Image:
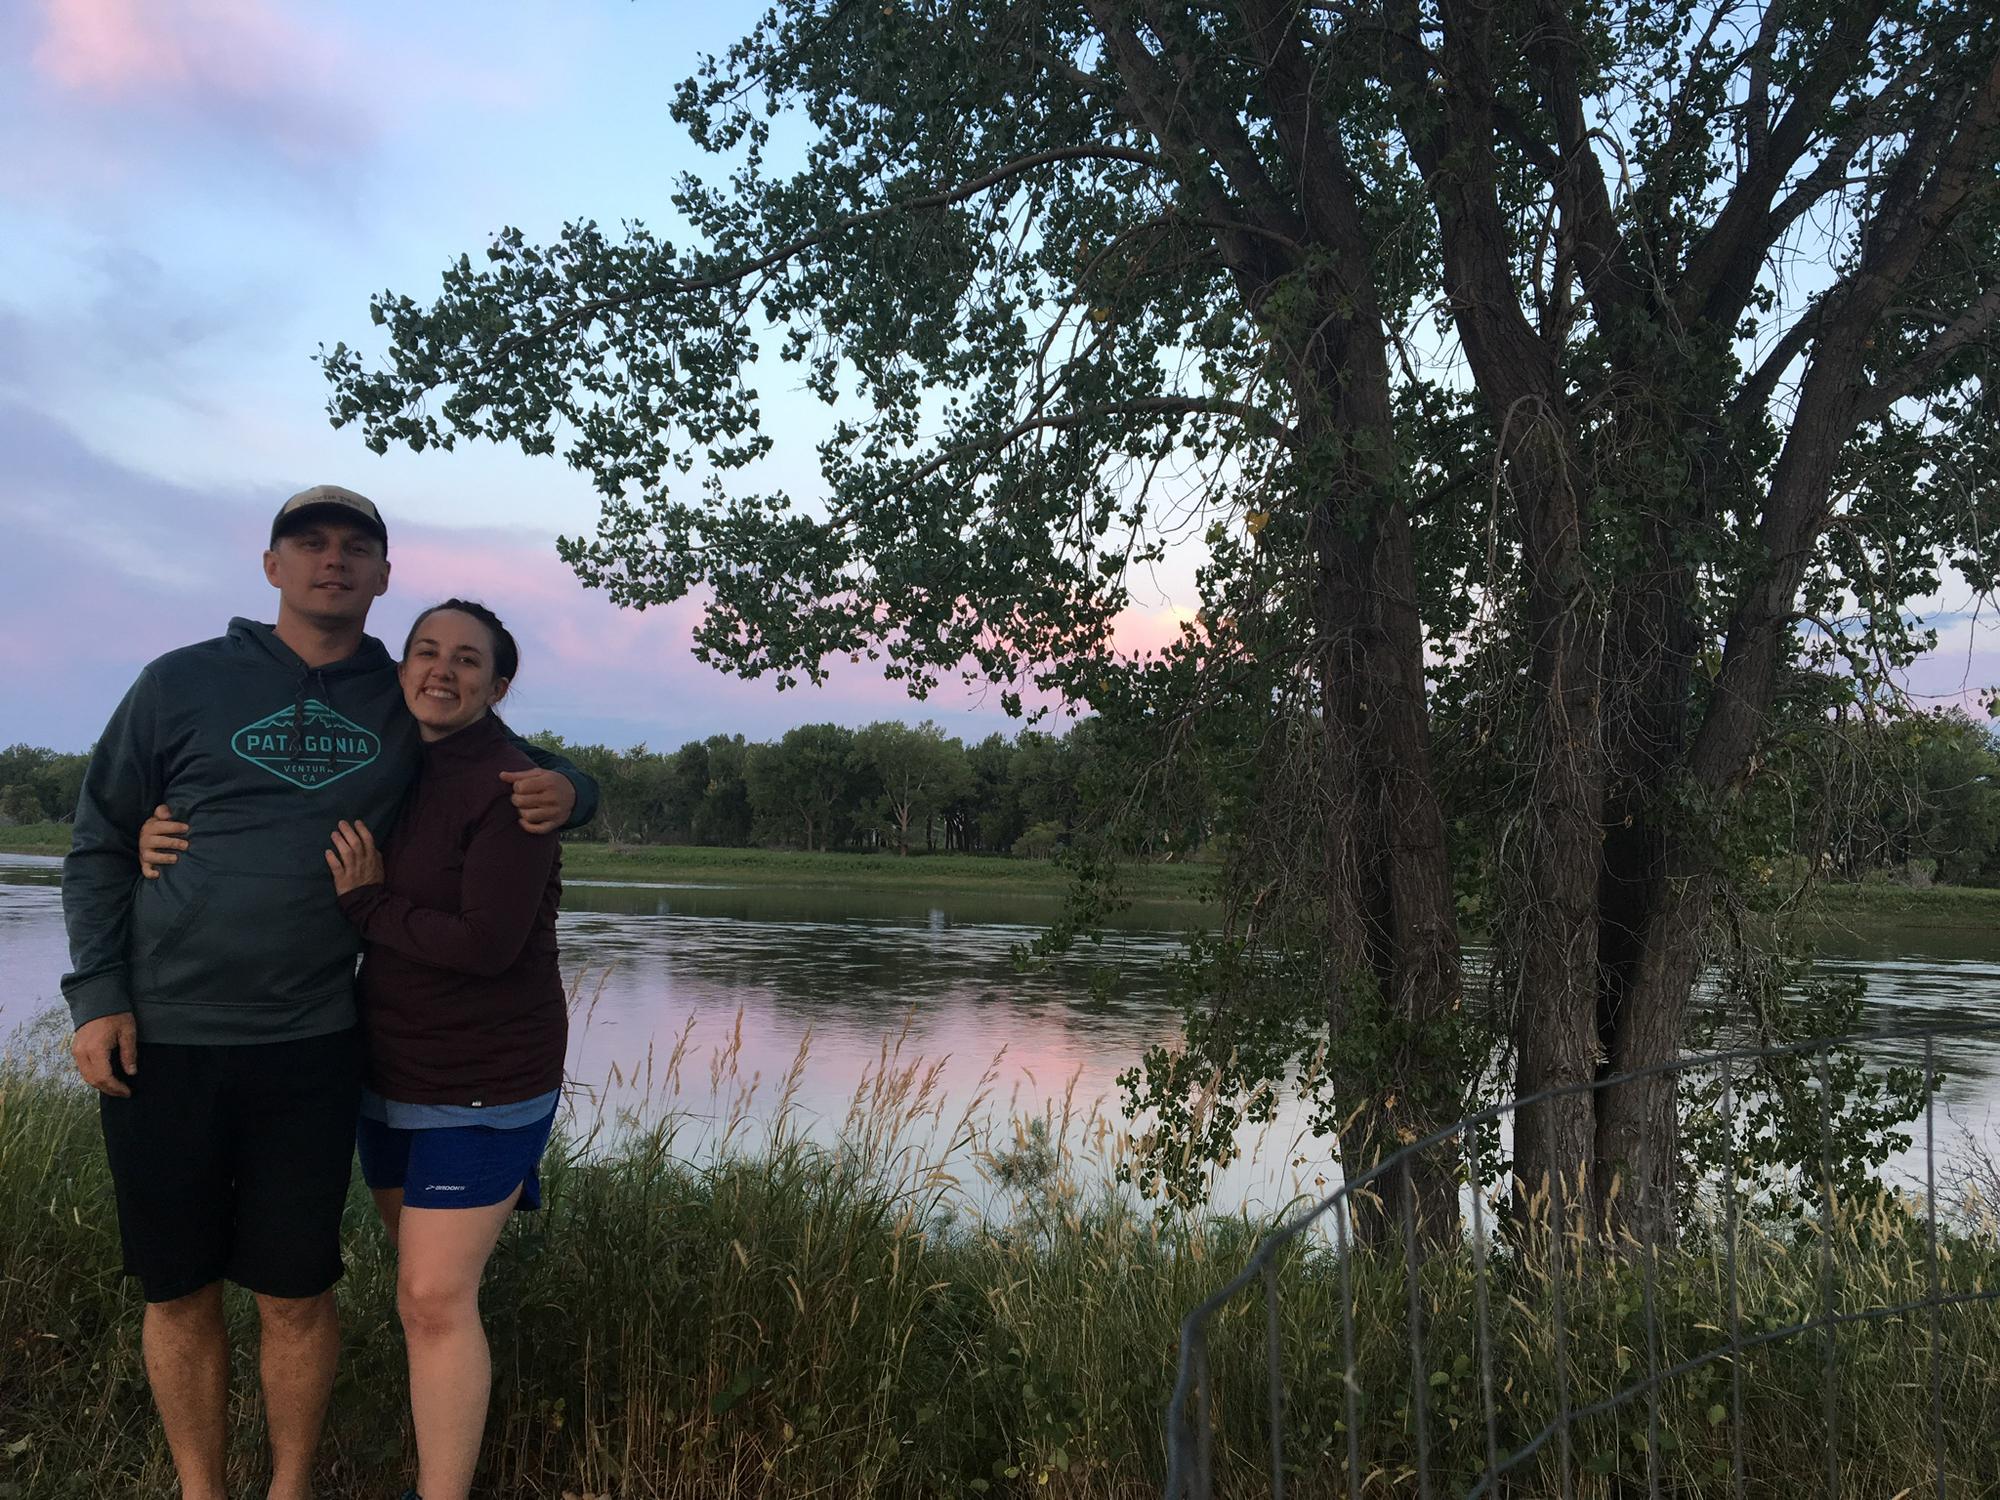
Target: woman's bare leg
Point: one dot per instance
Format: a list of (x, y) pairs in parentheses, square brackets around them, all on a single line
[(442, 1253)]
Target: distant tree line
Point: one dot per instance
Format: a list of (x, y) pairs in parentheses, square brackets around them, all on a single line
[(39, 786), (1917, 796), (887, 785)]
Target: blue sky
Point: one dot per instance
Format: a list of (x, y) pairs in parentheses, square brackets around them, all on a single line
[(194, 194)]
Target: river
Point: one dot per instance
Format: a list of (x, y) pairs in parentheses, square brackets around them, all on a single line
[(734, 1007)]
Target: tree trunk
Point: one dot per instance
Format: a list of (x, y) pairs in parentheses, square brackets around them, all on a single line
[(1641, 966), (1425, 986), (1638, 1125), (1555, 933), (1552, 921), (1390, 910)]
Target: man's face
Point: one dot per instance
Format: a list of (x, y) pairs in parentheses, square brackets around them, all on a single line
[(328, 572)]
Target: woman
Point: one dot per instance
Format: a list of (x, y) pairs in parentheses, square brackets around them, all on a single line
[(464, 1018)]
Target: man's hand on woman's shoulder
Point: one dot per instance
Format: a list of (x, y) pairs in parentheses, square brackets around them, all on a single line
[(542, 799)]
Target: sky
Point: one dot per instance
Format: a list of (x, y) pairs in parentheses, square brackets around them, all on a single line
[(195, 194)]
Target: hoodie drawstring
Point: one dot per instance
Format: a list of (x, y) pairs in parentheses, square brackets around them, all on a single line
[(312, 675)]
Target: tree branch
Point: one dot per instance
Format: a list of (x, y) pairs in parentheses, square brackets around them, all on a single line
[(1757, 388), (1722, 267), (1219, 129), (1975, 321), (1757, 112), (1831, 172), (1328, 193), (586, 312), (1250, 416), (1156, 96), (1250, 257), (1679, 113), (1602, 255)]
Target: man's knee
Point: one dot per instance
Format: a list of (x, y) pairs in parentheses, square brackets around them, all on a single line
[(295, 1317), (199, 1309)]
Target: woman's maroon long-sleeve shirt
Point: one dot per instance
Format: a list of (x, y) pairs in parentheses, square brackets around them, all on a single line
[(461, 1001)]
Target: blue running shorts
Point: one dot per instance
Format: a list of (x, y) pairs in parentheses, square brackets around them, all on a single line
[(461, 1166)]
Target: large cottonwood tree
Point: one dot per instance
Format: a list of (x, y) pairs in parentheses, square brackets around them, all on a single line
[(1590, 346)]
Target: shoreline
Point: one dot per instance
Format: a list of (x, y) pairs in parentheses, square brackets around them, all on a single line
[(1868, 908), (1178, 884)]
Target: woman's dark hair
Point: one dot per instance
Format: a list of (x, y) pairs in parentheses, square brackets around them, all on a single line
[(506, 655)]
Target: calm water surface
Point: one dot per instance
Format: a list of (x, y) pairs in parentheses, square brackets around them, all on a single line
[(732, 1005)]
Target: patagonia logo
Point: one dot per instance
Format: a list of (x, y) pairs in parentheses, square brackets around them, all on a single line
[(309, 752)]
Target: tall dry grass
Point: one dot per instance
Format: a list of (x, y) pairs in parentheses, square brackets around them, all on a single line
[(926, 1297)]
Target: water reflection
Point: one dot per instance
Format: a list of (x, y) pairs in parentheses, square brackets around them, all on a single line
[(740, 979)]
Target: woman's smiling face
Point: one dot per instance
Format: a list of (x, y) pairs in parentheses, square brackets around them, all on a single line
[(448, 673)]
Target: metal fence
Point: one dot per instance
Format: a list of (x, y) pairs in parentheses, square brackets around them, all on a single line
[(1492, 1360)]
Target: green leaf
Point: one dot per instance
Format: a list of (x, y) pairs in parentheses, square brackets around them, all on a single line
[(729, 1396)]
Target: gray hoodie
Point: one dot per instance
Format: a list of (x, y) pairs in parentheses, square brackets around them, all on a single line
[(242, 940)]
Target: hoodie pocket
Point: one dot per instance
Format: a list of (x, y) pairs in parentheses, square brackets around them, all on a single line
[(254, 940), (167, 909)]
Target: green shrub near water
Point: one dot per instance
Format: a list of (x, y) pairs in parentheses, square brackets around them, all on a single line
[(787, 1318)]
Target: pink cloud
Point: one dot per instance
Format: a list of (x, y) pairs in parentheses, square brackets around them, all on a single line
[(107, 567), (101, 44), (1139, 629), (114, 48), (594, 671), (250, 62), (227, 104)]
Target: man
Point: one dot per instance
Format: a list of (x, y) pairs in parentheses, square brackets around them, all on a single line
[(214, 1007)]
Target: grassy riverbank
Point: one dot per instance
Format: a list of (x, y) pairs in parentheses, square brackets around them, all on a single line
[(884, 871), (799, 1320), (35, 838), (678, 863), (1870, 908), (1881, 906)]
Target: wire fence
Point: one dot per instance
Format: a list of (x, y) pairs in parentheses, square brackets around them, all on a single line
[(1777, 1332)]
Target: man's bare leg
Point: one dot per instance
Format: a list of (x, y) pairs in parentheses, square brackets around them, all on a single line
[(187, 1364), (389, 1205), (300, 1347)]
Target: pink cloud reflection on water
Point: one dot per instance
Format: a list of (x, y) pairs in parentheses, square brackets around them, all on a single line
[(846, 1019)]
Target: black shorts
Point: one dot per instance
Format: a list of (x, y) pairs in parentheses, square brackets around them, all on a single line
[(232, 1162)]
